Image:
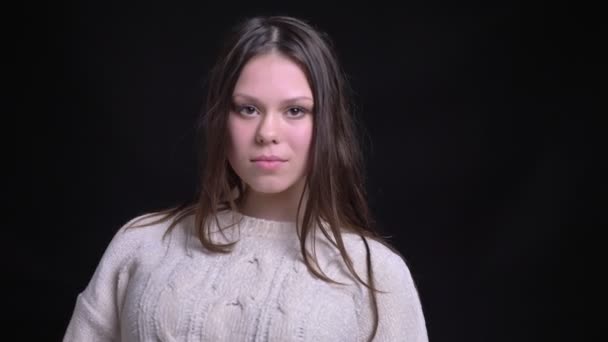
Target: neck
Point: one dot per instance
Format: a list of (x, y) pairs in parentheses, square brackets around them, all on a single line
[(281, 206)]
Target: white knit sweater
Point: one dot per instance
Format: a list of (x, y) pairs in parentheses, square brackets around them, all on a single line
[(149, 289)]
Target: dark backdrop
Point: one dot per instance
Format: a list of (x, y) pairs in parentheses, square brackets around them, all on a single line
[(479, 153)]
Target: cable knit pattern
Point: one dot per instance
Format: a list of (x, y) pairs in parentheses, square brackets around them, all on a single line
[(147, 288)]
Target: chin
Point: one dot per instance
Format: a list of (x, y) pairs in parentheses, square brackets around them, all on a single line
[(268, 188)]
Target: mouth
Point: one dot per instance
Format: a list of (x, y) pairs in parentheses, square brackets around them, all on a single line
[(268, 158), (266, 164)]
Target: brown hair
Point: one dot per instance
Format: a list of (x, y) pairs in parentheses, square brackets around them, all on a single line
[(336, 193)]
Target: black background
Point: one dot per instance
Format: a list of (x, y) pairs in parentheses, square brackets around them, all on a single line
[(481, 146)]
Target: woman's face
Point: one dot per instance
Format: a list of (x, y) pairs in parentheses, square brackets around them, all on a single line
[(270, 125)]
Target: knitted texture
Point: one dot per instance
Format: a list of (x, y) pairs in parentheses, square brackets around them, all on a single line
[(147, 288)]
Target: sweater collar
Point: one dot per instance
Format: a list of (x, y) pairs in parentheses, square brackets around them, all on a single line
[(255, 226)]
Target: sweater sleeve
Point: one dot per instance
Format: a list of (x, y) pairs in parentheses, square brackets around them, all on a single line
[(96, 312), (400, 310), (402, 317)]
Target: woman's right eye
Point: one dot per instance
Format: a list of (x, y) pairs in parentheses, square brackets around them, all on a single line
[(246, 110)]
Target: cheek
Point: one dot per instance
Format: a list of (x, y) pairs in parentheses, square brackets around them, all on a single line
[(302, 138), (236, 136), (307, 136)]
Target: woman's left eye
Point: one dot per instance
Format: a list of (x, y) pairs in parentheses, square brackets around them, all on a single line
[(296, 111)]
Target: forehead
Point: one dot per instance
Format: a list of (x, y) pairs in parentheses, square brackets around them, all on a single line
[(272, 77)]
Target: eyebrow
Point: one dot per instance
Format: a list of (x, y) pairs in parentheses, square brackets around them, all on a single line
[(290, 100)]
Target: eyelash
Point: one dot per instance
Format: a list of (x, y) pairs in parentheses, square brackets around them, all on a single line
[(301, 110)]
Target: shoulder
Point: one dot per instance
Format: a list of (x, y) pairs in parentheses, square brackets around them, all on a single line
[(144, 227), (140, 229), (143, 232), (142, 239), (389, 267), (381, 253), (400, 311)]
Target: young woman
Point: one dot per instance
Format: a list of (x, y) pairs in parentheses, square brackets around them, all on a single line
[(279, 245)]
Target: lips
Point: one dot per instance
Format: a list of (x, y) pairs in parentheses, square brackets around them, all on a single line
[(268, 159), (268, 163)]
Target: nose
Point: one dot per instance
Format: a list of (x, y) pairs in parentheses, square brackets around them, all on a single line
[(267, 130)]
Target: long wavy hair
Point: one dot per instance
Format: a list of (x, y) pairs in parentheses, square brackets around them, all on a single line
[(336, 198)]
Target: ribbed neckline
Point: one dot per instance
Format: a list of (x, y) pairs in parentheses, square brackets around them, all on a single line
[(259, 227)]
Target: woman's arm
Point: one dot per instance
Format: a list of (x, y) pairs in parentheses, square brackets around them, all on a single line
[(96, 313)]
